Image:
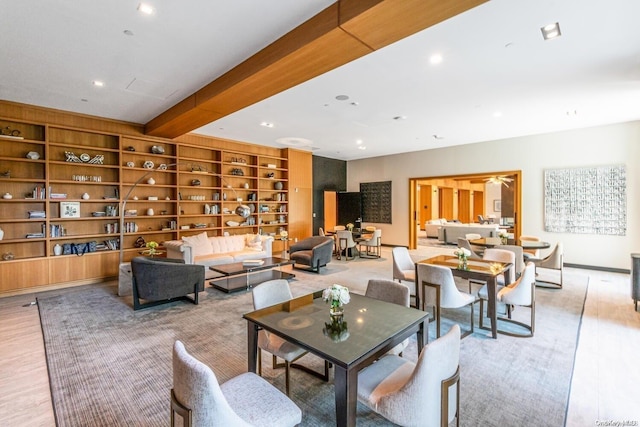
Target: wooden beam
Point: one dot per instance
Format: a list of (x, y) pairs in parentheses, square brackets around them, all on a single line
[(346, 30)]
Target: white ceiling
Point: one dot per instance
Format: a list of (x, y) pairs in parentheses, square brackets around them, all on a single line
[(494, 60)]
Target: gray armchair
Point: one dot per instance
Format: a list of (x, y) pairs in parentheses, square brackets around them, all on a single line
[(314, 252), (162, 280)]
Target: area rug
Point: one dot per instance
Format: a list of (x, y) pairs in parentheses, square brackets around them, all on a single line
[(109, 365)]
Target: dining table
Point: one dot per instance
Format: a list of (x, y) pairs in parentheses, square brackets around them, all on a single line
[(476, 269), (367, 329), (492, 242)]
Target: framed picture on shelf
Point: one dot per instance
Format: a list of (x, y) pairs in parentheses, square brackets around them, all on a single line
[(69, 209), (497, 205)]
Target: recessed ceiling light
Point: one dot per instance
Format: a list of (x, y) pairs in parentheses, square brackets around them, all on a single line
[(358, 141), (435, 59), (436, 136), (497, 114), (342, 97), (128, 32), (400, 118), (146, 8), (362, 147), (572, 113), (355, 104), (551, 31), (266, 124), (84, 100), (98, 83)]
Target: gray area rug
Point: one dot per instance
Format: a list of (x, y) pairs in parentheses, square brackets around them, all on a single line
[(109, 365)]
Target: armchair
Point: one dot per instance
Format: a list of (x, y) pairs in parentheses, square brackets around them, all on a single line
[(313, 251), (162, 280)]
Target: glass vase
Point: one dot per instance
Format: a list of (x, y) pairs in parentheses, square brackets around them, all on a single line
[(336, 310), (462, 264)]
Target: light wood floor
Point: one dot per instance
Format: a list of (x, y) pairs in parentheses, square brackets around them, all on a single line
[(604, 386)]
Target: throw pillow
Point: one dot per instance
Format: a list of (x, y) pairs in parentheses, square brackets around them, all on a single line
[(254, 242), (200, 244)]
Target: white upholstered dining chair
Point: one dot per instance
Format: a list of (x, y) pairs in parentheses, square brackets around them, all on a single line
[(553, 261), (243, 401), (395, 293), (426, 393), (437, 288), (404, 269), (521, 293)]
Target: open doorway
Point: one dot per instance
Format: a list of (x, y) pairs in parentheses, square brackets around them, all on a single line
[(492, 197)]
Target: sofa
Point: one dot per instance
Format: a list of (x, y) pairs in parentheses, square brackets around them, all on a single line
[(433, 225), (162, 280), (314, 252), (215, 250), (450, 232)]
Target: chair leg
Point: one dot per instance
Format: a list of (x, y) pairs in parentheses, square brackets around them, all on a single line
[(259, 360), (444, 399), (481, 315), (182, 410), (286, 377)]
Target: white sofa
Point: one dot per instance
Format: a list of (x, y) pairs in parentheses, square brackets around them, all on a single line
[(450, 232), (433, 225), (216, 250)]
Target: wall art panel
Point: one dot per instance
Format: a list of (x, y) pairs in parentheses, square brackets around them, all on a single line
[(589, 200)]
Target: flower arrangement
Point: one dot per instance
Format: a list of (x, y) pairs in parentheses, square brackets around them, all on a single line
[(337, 296), (152, 249), (350, 227), (284, 235), (504, 237), (463, 255)]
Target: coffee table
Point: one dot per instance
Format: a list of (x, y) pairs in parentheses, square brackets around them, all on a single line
[(237, 276)]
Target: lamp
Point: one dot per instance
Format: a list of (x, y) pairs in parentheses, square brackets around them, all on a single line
[(241, 210)]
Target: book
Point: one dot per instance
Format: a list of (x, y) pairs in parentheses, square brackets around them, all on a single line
[(252, 262)]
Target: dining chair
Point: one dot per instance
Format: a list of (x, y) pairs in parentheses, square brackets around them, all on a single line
[(346, 243), (437, 288), (321, 231), (404, 269), (553, 261), (243, 401), (425, 393), (372, 245), (270, 293), (495, 255), (395, 293), (464, 243), (521, 293), (535, 253), (519, 261)]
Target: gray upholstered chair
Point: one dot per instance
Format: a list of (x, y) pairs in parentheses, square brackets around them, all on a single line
[(314, 252), (522, 293), (243, 401), (553, 261), (395, 293), (464, 243), (162, 280), (404, 269), (371, 244), (426, 393), (270, 293), (437, 288)]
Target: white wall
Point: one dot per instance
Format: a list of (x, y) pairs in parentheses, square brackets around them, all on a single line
[(598, 146)]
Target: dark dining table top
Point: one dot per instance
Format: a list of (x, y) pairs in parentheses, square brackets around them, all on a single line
[(490, 242)]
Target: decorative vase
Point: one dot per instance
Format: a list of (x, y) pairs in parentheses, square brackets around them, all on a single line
[(278, 185), (462, 264), (1, 233), (150, 212), (336, 310), (7, 196), (246, 185), (151, 181), (85, 196), (57, 249), (504, 240)]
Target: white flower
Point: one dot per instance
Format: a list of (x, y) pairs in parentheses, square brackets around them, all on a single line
[(336, 294), (462, 253)]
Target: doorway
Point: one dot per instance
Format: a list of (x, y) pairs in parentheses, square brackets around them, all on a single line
[(463, 198)]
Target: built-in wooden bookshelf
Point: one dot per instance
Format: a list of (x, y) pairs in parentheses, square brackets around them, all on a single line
[(166, 188)]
